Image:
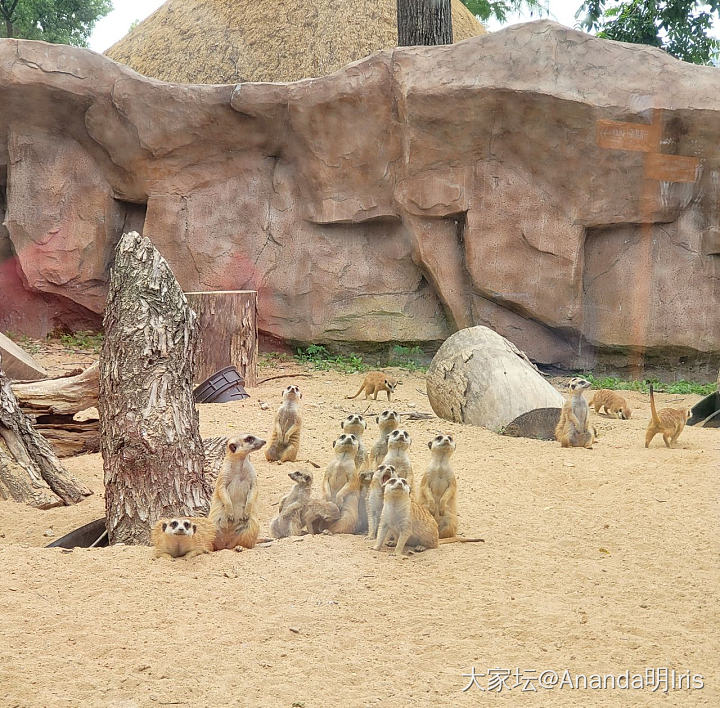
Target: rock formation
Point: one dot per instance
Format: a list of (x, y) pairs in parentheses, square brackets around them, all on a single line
[(561, 189)]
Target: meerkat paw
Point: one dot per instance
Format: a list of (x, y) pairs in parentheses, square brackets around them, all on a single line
[(420, 549), (238, 549), (327, 532)]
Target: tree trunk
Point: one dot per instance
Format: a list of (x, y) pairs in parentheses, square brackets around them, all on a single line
[(424, 22), (30, 472), (150, 438), (227, 321)]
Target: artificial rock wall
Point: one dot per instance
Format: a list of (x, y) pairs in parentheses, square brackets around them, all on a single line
[(561, 189)]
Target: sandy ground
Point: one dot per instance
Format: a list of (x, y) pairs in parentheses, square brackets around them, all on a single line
[(596, 561)]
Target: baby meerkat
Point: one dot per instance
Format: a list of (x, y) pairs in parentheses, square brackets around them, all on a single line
[(342, 469), (388, 420), (613, 403), (357, 425), (182, 537), (399, 442), (319, 514), (288, 521), (573, 429), (668, 421), (373, 383), (438, 486), (410, 523), (374, 502), (285, 439), (233, 505)]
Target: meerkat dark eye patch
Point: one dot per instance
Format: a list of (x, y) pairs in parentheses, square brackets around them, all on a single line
[(173, 524)]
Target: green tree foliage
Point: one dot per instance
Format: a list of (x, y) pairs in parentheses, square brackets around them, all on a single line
[(59, 21), (680, 27), (500, 9)]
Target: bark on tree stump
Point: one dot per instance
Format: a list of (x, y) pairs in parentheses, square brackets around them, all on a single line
[(30, 472), (424, 22), (227, 322), (150, 438)]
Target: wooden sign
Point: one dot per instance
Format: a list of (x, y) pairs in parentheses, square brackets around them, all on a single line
[(614, 135), (671, 168)]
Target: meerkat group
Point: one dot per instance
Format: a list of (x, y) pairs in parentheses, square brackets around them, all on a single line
[(574, 429)]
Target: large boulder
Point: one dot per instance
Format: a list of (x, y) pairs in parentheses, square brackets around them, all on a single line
[(535, 180), (481, 378)]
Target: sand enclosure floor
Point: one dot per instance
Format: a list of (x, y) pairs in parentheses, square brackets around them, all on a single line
[(596, 561)]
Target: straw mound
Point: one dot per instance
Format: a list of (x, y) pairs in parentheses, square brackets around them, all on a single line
[(226, 41)]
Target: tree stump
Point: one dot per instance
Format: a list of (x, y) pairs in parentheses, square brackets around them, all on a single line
[(149, 431), (227, 321), (424, 22), (30, 472)]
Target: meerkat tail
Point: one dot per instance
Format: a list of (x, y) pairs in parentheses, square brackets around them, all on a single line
[(358, 393), (461, 539), (653, 410)]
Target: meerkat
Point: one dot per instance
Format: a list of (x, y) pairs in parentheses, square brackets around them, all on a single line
[(409, 522), (233, 505), (613, 403), (285, 439), (373, 383), (348, 501), (388, 420), (288, 521), (365, 482), (572, 429), (438, 486), (668, 421), (399, 442), (182, 537), (319, 514), (374, 501), (357, 425), (342, 469)]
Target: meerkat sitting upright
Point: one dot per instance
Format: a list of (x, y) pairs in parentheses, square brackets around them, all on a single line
[(373, 383), (183, 536), (573, 428), (374, 501), (233, 505), (409, 522), (289, 519), (342, 468), (668, 421), (356, 425), (388, 420), (613, 403), (348, 501), (399, 442), (438, 486), (285, 439)]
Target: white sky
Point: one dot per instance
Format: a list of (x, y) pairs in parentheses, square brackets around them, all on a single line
[(116, 25)]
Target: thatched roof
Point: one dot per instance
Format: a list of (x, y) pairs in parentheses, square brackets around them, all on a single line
[(228, 41)]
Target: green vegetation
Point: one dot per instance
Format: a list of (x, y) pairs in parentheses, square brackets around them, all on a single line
[(29, 345), (319, 358), (500, 9), (681, 387), (58, 21), (91, 341)]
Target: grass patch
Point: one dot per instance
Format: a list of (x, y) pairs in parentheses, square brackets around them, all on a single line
[(319, 358), (267, 360), (85, 340), (29, 345), (681, 387)]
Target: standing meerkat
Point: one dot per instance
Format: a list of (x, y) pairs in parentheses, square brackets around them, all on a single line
[(438, 486), (613, 403), (342, 468), (233, 505), (285, 439), (410, 523), (573, 428), (357, 425), (373, 383), (289, 521), (374, 503), (399, 442), (182, 536), (668, 421), (319, 514), (365, 482), (388, 420)]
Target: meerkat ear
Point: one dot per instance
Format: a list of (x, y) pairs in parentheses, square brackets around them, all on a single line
[(194, 528), (164, 525), (232, 447), (334, 441), (430, 444), (377, 419)]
